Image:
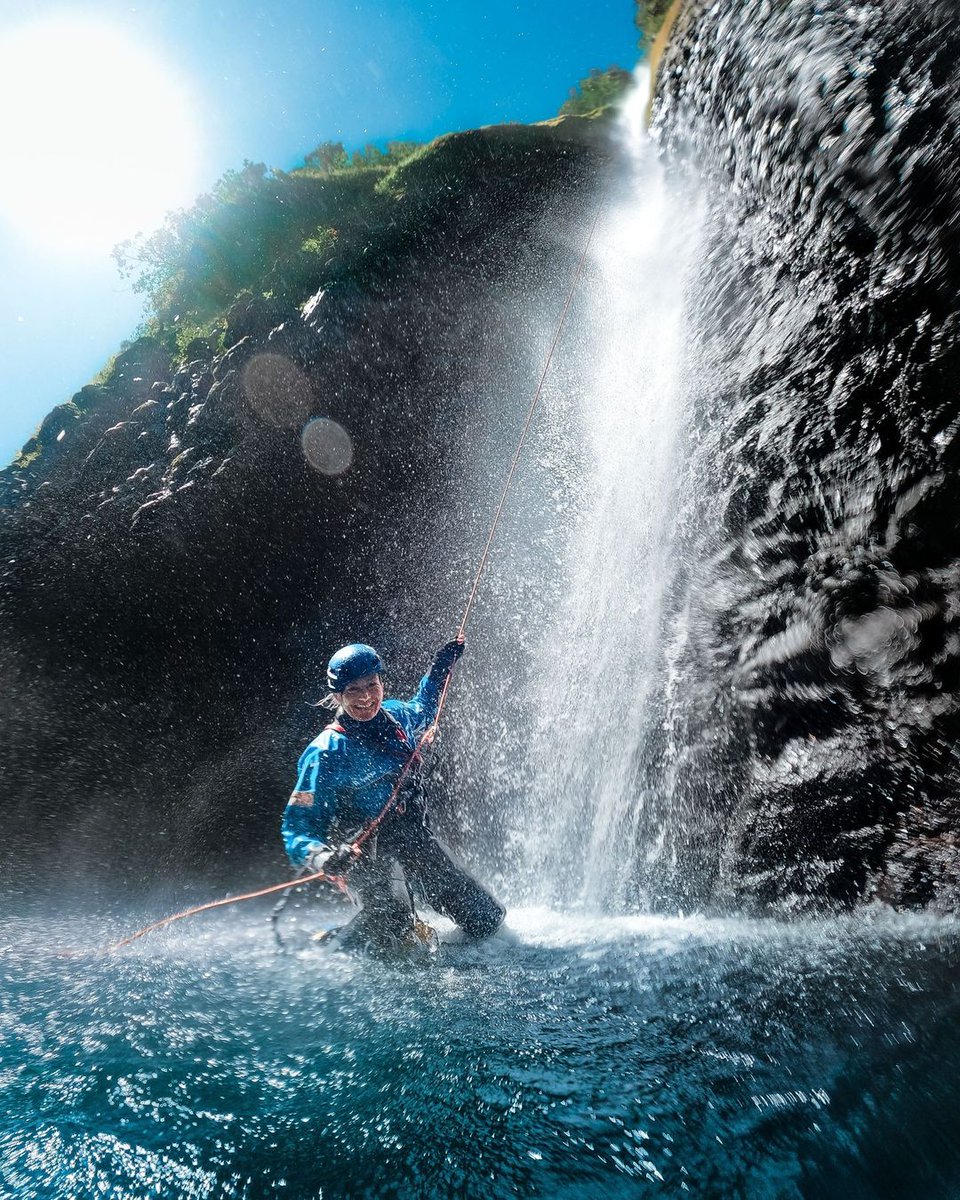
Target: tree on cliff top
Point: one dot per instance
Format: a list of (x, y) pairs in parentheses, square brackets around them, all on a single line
[(597, 91), (327, 157), (278, 235), (330, 157), (649, 18), (257, 229)]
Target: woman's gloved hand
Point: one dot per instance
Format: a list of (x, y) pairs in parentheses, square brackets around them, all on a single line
[(447, 655), (331, 860)]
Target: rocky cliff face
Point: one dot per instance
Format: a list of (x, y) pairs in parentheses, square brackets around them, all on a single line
[(184, 544), (821, 738)]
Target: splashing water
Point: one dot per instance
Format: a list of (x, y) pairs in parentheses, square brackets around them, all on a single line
[(586, 1056), (597, 699)]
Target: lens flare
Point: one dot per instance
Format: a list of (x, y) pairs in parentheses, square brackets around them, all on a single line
[(277, 390), (327, 446)]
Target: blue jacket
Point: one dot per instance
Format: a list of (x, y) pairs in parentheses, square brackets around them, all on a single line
[(341, 775)]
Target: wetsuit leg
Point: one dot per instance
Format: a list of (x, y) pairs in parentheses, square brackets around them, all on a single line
[(386, 915), (447, 886)]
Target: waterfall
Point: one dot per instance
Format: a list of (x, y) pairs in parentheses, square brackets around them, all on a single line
[(595, 747)]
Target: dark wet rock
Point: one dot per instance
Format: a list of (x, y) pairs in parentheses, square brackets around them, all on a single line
[(827, 650), (199, 348), (254, 316), (234, 358)]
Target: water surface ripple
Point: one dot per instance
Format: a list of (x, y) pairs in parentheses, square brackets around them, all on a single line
[(577, 1057)]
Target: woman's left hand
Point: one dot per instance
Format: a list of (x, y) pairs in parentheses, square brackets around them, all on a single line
[(450, 653)]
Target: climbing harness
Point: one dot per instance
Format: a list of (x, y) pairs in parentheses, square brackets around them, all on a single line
[(430, 732)]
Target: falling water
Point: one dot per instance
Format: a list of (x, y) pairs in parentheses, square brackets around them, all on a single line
[(598, 697)]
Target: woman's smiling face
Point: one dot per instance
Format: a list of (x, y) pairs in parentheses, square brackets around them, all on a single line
[(362, 698)]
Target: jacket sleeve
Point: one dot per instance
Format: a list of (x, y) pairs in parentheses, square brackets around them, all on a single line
[(421, 710), (311, 806)]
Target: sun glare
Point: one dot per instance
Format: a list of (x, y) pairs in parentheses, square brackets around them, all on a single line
[(98, 140)]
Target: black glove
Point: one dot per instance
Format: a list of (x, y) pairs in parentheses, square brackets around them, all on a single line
[(331, 862), (446, 656)]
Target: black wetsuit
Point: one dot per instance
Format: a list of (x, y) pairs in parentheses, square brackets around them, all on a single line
[(405, 859)]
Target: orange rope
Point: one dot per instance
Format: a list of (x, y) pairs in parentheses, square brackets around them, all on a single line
[(430, 732), (337, 880)]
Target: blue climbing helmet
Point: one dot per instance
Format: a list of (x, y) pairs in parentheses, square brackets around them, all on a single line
[(350, 663)]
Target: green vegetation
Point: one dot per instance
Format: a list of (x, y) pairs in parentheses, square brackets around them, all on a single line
[(263, 240), (104, 376), (28, 455), (649, 18), (595, 93), (269, 232), (330, 157), (327, 158)]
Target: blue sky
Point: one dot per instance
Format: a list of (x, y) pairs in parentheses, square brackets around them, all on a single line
[(260, 81)]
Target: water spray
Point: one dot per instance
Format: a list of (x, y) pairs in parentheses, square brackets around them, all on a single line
[(429, 734)]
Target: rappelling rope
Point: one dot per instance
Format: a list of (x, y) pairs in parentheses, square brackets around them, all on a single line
[(526, 427), (336, 880), (430, 732)]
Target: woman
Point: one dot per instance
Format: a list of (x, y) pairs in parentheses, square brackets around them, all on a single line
[(346, 777)]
